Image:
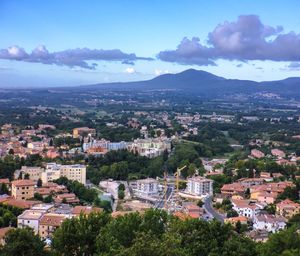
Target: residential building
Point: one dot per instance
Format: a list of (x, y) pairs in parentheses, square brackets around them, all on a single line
[(50, 174), (246, 208), (85, 210), (257, 153), (49, 223), (72, 172), (192, 210), (33, 173), (234, 220), (269, 222), (151, 147), (287, 208), (232, 189), (31, 219), (146, 187), (267, 198), (278, 153), (68, 198), (22, 189), (272, 187), (199, 186), (249, 182)]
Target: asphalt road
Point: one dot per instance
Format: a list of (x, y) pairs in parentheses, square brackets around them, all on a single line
[(211, 211), (160, 204)]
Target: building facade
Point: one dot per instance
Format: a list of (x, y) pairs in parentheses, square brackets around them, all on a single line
[(199, 186), (22, 189)]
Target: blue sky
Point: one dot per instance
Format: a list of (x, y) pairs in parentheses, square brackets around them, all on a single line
[(149, 37)]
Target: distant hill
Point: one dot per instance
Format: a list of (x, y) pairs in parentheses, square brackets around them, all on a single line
[(205, 83)]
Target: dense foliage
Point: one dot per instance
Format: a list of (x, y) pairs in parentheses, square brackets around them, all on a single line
[(155, 233)]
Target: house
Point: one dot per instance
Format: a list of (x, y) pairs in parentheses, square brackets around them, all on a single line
[(49, 223), (68, 198), (192, 210), (249, 182), (233, 189), (273, 187), (266, 176), (22, 204), (269, 222), (246, 208), (234, 220), (278, 153), (287, 208), (266, 197), (257, 153), (199, 186), (22, 189), (258, 235), (31, 219)]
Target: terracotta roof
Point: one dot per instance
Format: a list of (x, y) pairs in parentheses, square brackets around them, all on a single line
[(50, 219), (77, 210), (23, 204), (269, 218), (233, 187), (19, 183), (287, 203), (236, 219)]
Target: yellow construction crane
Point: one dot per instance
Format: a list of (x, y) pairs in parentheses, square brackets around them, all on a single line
[(177, 175)]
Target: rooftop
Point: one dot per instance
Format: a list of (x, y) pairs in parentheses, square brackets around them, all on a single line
[(19, 183)]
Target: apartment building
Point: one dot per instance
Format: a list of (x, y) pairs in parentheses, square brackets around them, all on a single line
[(146, 187), (22, 189), (49, 223), (33, 173), (199, 186), (72, 172)]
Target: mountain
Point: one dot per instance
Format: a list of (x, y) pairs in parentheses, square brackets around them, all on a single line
[(204, 83)]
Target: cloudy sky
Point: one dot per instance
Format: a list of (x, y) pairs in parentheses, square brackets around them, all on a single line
[(61, 43)]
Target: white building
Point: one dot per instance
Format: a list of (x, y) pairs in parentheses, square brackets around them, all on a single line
[(31, 219), (269, 223), (246, 208), (150, 147), (50, 175), (146, 187), (199, 186), (72, 172)]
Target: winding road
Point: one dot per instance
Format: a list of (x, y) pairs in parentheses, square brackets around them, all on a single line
[(211, 211)]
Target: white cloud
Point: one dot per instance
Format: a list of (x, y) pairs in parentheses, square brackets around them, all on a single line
[(130, 70)]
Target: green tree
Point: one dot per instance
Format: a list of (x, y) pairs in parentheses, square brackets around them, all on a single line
[(77, 236), (21, 242)]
